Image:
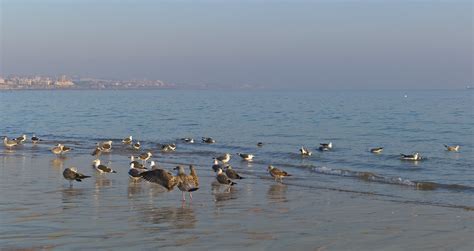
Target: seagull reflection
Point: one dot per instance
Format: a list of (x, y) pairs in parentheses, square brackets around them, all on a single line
[(134, 188), (70, 197), (58, 162), (219, 195), (277, 193), (170, 217), (102, 182)]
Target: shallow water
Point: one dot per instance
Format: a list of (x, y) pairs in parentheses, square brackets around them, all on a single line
[(107, 211)]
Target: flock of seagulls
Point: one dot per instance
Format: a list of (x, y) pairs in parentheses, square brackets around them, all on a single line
[(186, 183)]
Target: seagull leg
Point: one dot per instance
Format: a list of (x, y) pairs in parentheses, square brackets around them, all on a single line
[(184, 196), (191, 196), (70, 183)]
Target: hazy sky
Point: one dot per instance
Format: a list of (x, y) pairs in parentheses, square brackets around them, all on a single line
[(322, 44)]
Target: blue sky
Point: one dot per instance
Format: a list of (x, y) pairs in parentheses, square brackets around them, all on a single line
[(320, 44)]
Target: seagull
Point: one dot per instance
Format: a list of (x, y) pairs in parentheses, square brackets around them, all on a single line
[(452, 148), (208, 140), (224, 158), (413, 157), (188, 140), (153, 166), (106, 146), (305, 151), (102, 168), (58, 149), (127, 140), (247, 157), (193, 173), (65, 149), (161, 177), (186, 183), (21, 139), (144, 157), (97, 151), (71, 174), (168, 148), (277, 173), (232, 174), (325, 146), (136, 164), (134, 173), (136, 146), (216, 165), (260, 144), (35, 139), (223, 179), (9, 143), (376, 150)]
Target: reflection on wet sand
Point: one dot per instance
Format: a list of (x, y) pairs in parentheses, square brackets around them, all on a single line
[(170, 217), (222, 192), (58, 162), (277, 193), (70, 195), (101, 182)]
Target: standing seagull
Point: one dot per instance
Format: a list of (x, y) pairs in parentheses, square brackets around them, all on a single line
[(305, 151), (247, 157), (136, 164), (186, 183), (452, 148), (277, 173), (102, 168), (376, 150), (35, 139), (71, 174), (106, 146), (144, 157), (97, 151), (223, 179), (9, 143), (224, 158), (193, 173), (134, 173), (325, 146), (161, 177), (127, 140), (232, 174), (216, 165)]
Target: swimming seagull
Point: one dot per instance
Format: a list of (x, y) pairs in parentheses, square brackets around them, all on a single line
[(208, 140), (106, 146), (413, 157), (59, 149), (260, 144), (21, 139), (247, 157), (35, 139), (161, 177), (127, 140), (168, 148), (305, 151), (136, 164), (224, 158), (144, 157), (376, 150), (134, 173), (223, 179), (452, 148), (102, 168), (277, 173), (136, 146), (71, 174), (325, 146), (232, 174), (9, 143), (188, 140), (186, 183)]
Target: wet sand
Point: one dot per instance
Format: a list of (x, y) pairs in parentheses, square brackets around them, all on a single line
[(39, 210)]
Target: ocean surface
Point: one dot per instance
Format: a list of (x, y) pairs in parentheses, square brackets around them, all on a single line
[(354, 121)]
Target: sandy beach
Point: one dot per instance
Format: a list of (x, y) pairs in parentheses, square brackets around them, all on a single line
[(110, 212)]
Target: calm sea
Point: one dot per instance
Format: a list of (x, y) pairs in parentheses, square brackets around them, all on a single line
[(354, 121)]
